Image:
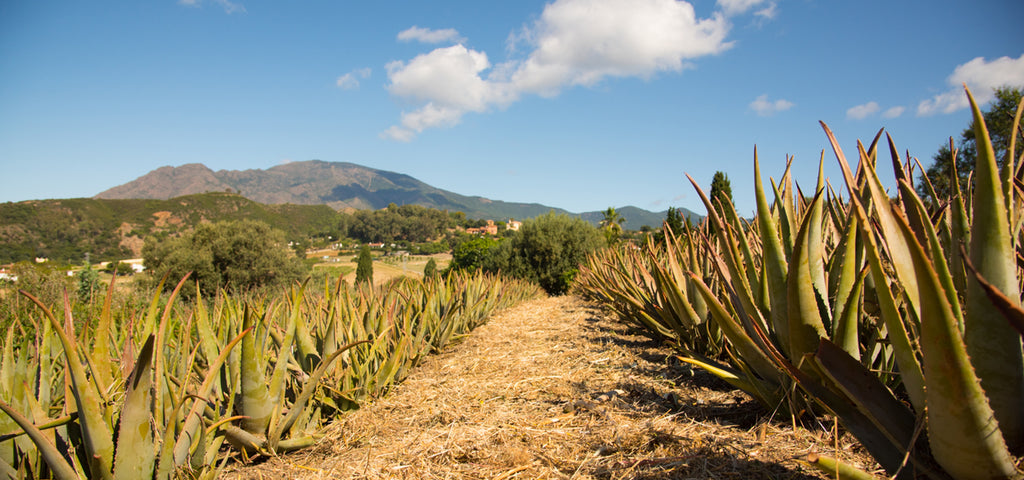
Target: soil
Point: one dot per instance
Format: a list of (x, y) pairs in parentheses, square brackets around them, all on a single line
[(555, 388)]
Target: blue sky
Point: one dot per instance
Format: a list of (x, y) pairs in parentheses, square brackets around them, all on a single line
[(577, 104)]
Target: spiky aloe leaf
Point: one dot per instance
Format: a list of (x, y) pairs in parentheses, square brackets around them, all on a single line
[(837, 469), (135, 456), (846, 331), (193, 420), (1010, 308), (255, 402), (995, 350), (745, 347), (309, 386), (904, 350), (60, 467), (962, 427), (897, 246), (96, 435), (774, 261), (805, 300)]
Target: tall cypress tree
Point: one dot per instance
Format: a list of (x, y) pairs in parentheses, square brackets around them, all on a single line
[(721, 189), (364, 266)]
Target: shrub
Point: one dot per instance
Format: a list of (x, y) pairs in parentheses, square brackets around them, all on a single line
[(235, 255), (548, 250)]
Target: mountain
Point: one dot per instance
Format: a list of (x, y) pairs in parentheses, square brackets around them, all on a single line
[(341, 186)]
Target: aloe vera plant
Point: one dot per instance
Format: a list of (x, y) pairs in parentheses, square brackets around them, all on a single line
[(165, 388), (833, 294)]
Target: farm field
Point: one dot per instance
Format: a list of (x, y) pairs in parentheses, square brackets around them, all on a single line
[(384, 268), (554, 388)]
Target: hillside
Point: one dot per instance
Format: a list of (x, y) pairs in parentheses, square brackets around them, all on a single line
[(65, 230), (341, 186)]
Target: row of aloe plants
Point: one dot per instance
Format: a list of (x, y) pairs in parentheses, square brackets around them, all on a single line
[(896, 316), (173, 387)]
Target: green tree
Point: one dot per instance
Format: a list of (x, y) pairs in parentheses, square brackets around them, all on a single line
[(998, 119), (235, 255), (673, 220), (120, 267), (364, 266), (611, 225), (473, 253), (549, 249), (430, 270), (88, 283), (721, 189)]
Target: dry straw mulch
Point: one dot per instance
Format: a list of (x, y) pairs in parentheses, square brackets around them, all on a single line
[(556, 389)]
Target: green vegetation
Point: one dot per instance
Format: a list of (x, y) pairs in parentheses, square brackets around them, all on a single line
[(364, 266), (721, 189), (546, 250), (430, 270), (88, 283), (900, 317), (937, 184), (611, 225), (236, 256), (237, 376), (474, 253)]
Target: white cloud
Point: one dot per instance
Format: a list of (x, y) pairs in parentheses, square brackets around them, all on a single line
[(765, 108), (227, 5), (893, 112), (860, 112), (981, 77), (350, 80), (574, 42), (737, 7), (580, 42), (427, 35)]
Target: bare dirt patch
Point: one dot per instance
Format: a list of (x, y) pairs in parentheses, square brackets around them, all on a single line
[(555, 389)]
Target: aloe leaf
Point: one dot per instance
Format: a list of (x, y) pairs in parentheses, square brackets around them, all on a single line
[(256, 403), (995, 350), (101, 343), (308, 354), (897, 246), (870, 396), (190, 427), (1010, 309), (748, 384), (846, 333), (837, 469), (308, 387), (96, 435), (774, 261), (135, 454), (962, 428), (815, 243), (805, 302), (745, 347), (59, 467), (729, 253)]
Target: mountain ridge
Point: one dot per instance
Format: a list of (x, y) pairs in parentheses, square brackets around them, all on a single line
[(341, 186)]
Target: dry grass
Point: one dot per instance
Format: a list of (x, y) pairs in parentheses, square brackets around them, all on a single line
[(554, 389)]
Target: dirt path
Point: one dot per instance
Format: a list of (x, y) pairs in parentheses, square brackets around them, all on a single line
[(554, 389)]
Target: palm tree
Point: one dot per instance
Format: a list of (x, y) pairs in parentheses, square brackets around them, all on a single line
[(612, 219), (610, 225)]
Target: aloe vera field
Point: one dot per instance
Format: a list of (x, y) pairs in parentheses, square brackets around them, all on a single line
[(844, 331)]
